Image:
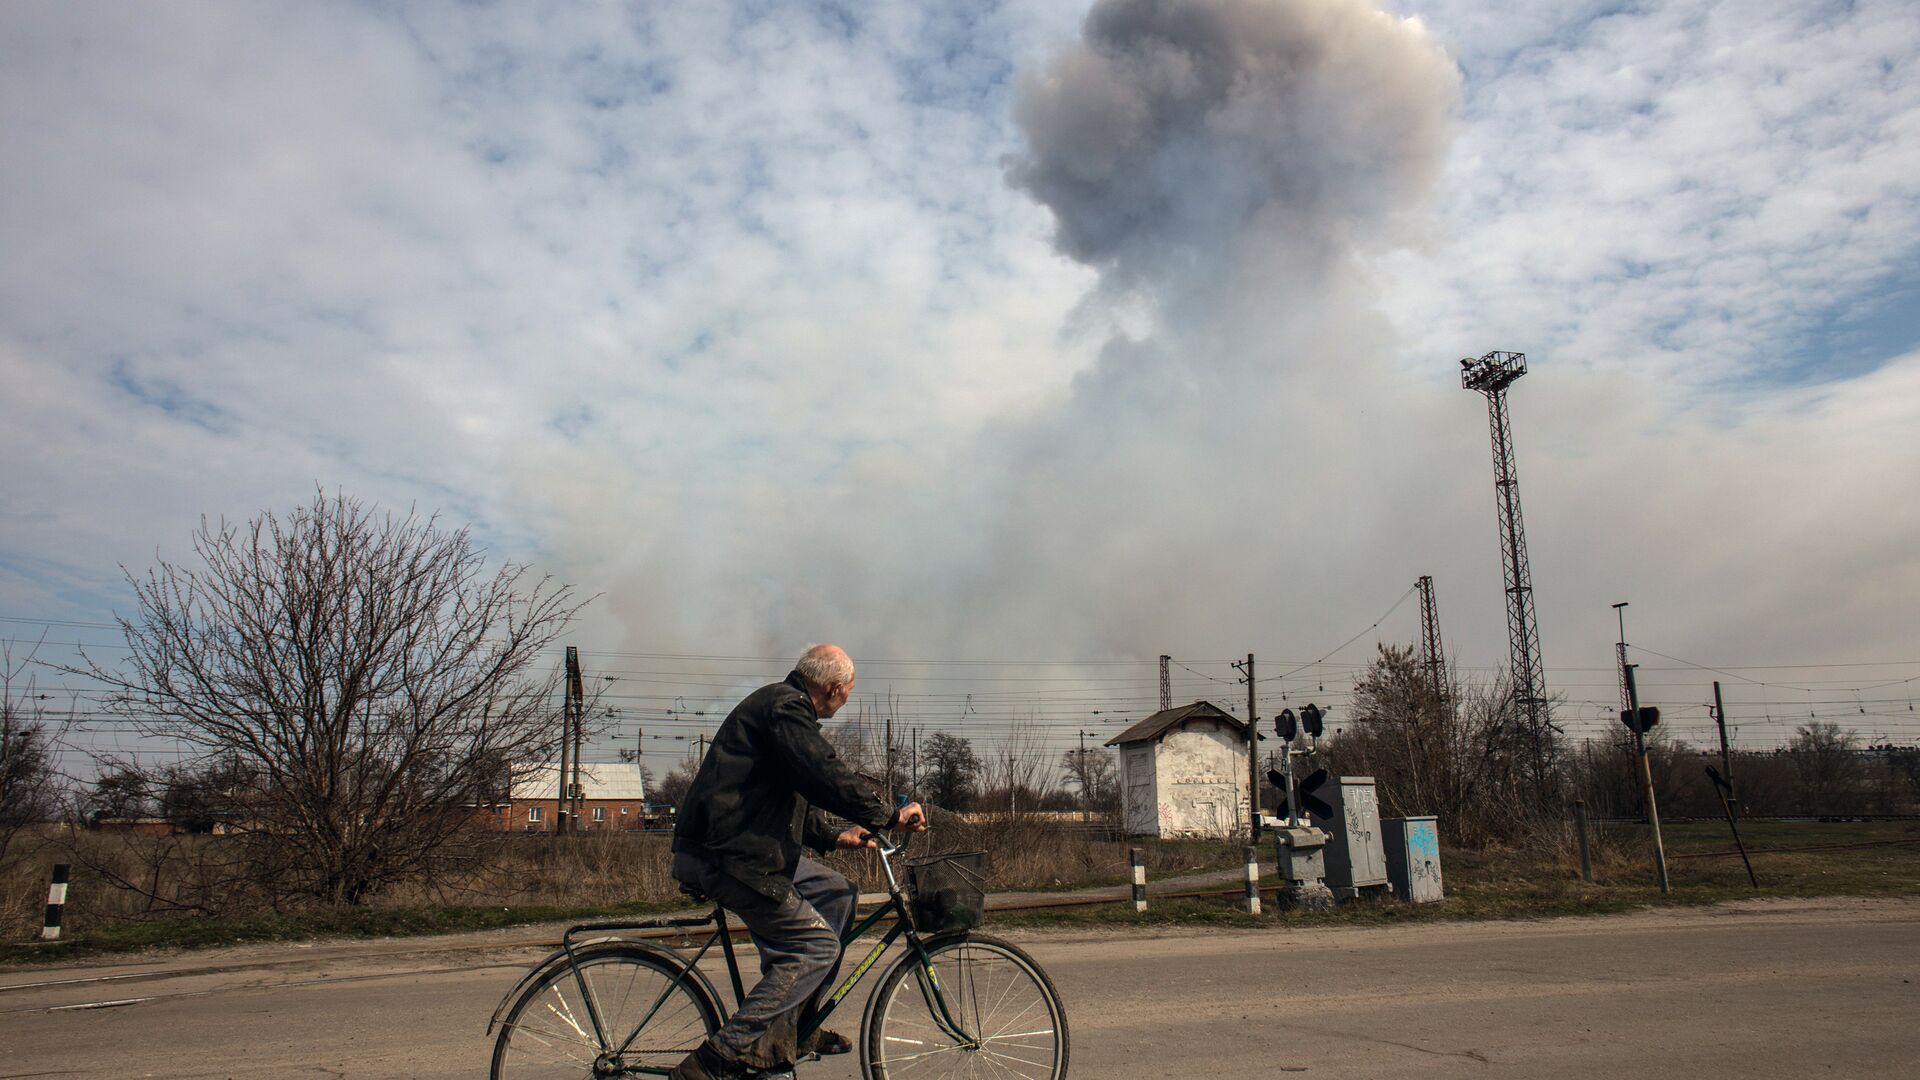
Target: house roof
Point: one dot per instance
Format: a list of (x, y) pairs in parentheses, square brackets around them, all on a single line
[(1166, 719), (598, 780)]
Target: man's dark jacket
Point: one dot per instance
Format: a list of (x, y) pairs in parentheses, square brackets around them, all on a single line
[(760, 792)]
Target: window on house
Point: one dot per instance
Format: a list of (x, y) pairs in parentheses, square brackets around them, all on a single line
[(599, 813), (533, 813), (623, 811)]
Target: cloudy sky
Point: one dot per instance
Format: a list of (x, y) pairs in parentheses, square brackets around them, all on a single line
[(991, 332)]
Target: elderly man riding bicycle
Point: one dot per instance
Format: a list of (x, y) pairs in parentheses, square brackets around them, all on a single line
[(764, 789)]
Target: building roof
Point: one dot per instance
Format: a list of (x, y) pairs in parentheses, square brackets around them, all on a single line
[(598, 780), (1167, 719)]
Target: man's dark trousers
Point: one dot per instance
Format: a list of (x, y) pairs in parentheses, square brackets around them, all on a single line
[(799, 943)]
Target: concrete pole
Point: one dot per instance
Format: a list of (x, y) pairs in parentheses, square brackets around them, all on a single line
[(1253, 759), (1726, 757), (1646, 783)]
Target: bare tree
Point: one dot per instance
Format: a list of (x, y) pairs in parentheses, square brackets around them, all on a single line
[(120, 793), (1827, 769), (1019, 774), (29, 788), (673, 790), (949, 771), (1094, 776), (365, 671)]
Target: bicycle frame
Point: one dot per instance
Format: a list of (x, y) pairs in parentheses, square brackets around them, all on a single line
[(896, 907)]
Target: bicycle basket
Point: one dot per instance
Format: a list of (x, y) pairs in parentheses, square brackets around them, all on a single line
[(949, 891)]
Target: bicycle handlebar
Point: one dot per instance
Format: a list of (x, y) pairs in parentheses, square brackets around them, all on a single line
[(891, 849)]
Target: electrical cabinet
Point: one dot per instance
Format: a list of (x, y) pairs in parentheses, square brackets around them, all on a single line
[(1356, 854), (1413, 858)]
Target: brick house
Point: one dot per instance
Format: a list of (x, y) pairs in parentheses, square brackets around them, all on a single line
[(613, 798)]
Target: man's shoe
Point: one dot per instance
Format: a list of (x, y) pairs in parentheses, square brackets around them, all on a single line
[(826, 1044)]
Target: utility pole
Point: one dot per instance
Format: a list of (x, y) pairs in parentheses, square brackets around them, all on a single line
[(1646, 784), (1726, 758), (916, 760), (1253, 758), (1083, 777), (1166, 683), (1490, 375), (1620, 656), (560, 804), (576, 696), (891, 787)]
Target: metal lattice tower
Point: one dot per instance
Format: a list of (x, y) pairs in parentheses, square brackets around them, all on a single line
[(1166, 685), (1491, 375), (1430, 650)]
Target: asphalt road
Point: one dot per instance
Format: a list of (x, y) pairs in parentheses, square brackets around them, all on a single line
[(1753, 991)]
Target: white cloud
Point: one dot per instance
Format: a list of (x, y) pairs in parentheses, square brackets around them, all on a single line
[(737, 320)]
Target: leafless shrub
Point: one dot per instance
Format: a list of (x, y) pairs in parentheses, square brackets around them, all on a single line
[(29, 784), (1467, 757)]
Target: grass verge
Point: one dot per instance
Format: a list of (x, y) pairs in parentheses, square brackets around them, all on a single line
[(1494, 884), (1504, 884), (335, 923)]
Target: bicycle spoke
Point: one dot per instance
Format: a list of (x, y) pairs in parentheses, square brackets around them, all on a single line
[(1013, 1027), (640, 1000)]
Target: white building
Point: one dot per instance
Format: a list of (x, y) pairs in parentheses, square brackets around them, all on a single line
[(1183, 773)]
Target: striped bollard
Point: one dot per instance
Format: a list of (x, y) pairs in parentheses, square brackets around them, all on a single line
[(56, 902), (1253, 880), (1139, 880)]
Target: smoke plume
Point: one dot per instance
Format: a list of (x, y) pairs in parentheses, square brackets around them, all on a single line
[(1177, 134), (1222, 164)]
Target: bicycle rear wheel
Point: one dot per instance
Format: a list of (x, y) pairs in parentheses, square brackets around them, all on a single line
[(650, 1018), (1006, 1017)]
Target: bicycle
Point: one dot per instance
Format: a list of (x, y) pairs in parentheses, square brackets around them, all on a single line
[(956, 1003)]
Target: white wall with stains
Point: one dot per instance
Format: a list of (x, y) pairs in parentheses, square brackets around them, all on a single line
[(1191, 782)]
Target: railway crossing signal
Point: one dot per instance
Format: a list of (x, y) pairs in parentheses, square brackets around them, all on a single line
[(1649, 716), (1310, 719), (1305, 791), (1312, 803)]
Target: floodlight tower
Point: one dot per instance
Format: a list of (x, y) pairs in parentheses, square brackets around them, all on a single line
[(1491, 375)]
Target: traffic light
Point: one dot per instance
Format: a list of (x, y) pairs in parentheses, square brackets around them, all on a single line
[(1310, 719), (1649, 716), (1283, 725), (1310, 802)]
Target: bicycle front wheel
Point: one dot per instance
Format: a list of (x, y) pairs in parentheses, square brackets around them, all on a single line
[(979, 1007), (649, 1018)]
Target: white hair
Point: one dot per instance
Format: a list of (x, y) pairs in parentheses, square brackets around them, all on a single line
[(825, 667)]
